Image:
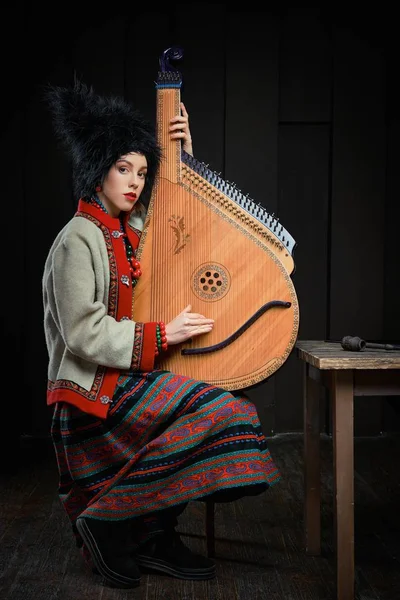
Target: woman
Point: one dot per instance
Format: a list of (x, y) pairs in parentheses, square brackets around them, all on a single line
[(134, 443)]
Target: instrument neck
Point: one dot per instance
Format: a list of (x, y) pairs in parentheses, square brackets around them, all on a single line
[(168, 106)]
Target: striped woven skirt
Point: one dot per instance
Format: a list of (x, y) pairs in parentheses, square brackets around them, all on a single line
[(167, 440)]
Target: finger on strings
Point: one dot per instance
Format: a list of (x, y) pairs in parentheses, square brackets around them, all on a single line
[(200, 320), (200, 325), (202, 329)]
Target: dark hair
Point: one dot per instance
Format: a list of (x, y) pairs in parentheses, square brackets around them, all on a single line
[(96, 131)]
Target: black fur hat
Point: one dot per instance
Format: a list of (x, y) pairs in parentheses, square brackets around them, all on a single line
[(96, 131)]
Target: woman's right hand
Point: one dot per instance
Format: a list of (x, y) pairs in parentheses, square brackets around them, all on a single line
[(187, 325)]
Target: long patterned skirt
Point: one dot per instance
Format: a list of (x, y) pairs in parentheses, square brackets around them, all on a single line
[(167, 440)]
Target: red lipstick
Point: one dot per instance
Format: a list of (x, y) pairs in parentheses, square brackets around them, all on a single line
[(130, 196)]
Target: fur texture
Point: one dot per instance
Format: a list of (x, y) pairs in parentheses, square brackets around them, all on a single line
[(97, 130)]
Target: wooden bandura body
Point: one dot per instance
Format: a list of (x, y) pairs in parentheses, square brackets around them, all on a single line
[(207, 244)]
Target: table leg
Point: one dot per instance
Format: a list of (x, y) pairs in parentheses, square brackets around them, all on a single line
[(312, 482), (343, 467)]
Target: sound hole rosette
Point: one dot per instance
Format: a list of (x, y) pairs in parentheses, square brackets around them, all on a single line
[(211, 281)]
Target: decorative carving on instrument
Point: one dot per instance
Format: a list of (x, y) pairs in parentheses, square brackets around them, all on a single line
[(238, 332), (178, 227), (234, 200), (211, 281)]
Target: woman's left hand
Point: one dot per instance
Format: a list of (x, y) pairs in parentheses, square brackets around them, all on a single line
[(180, 130)]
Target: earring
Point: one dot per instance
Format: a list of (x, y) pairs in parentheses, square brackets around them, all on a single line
[(98, 188)]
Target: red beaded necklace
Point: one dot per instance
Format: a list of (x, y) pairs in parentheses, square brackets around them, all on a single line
[(134, 265)]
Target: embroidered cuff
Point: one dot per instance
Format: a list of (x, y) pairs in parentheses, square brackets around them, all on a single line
[(144, 347)]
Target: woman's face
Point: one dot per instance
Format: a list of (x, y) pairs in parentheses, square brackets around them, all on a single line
[(124, 183)]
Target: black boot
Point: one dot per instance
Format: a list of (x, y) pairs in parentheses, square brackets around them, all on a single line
[(166, 553), (110, 550)]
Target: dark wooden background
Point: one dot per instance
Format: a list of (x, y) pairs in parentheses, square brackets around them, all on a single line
[(298, 107)]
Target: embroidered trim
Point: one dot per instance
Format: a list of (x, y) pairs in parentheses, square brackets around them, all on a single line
[(66, 384), (134, 230), (137, 352)]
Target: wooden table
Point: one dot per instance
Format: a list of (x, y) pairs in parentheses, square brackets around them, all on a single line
[(346, 374)]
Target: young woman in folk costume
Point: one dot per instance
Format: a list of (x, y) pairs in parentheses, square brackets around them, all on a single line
[(134, 444)]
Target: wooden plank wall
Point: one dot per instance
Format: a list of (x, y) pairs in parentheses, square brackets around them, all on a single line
[(391, 288), (289, 105)]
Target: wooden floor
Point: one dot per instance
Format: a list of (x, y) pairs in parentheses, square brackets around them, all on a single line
[(259, 541)]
